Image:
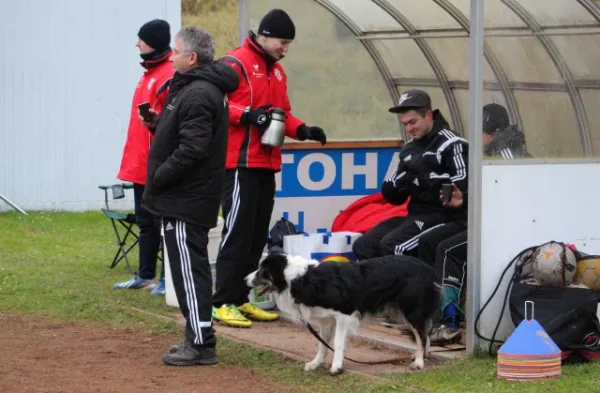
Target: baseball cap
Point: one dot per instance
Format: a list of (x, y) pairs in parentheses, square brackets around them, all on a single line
[(495, 118), (411, 99)]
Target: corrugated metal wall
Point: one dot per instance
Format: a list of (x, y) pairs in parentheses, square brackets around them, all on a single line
[(67, 74)]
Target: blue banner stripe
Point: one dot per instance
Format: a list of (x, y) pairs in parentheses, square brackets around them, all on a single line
[(339, 172)]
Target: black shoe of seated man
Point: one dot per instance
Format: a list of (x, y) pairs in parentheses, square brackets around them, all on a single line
[(313, 133), (260, 117), (187, 355), (442, 335)]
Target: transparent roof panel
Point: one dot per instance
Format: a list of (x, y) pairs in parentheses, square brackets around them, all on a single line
[(331, 70), (404, 59), (524, 59), (367, 15), (425, 14), (453, 54), (557, 12), (581, 54), (496, 14)]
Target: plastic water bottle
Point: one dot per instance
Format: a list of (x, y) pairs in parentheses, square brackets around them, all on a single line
[(451, 315)]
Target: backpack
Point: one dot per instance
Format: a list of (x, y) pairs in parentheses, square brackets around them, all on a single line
[(568, 314), (282, 228)]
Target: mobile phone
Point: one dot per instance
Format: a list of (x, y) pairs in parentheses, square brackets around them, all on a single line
[(447, 190), (144, 109)]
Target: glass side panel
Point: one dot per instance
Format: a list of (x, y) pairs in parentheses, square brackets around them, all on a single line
[(462, 97), (591, 98), (549, 124)]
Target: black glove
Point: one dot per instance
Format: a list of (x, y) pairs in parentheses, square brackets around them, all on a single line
[(313, 133), (396, 194), (259, 117), (407, 181)]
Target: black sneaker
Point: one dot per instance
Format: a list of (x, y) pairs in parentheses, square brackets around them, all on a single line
[(186, 355), (176, 347)]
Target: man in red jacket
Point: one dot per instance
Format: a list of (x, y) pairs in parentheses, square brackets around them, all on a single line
[(154, 39), (249, 189)]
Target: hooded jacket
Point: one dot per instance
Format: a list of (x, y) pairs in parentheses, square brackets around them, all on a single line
[(424, 164), (150, 88), (262, 81), (508, 144), (186, 163)]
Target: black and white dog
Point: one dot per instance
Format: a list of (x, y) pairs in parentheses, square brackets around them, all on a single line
[(335, 296)]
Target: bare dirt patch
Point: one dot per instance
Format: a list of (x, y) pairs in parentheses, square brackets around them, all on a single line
[(40, 355)]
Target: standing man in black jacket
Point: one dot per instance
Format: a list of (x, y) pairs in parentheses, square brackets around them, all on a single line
[(435, 155), (186, 166)]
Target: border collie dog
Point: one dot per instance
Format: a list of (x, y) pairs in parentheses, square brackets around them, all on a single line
[(335, 296)]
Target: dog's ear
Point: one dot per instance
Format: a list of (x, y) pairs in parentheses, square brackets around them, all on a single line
[(278, 281), (275, 262)]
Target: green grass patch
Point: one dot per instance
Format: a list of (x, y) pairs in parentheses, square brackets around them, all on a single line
[(56, 265)]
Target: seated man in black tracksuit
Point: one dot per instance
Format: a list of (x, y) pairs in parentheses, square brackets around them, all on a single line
[(445, 247), (435, 155)]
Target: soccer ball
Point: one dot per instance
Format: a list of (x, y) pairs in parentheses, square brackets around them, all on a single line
[(525, 267), (576, 284), (530, 281), (550, 261), (588, 273)]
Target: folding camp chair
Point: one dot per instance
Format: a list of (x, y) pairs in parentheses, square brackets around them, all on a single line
[(126, 221)]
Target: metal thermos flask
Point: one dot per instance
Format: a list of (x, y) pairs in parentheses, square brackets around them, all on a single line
[(274, 135)]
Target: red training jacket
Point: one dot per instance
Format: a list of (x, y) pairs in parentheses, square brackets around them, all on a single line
[(135, 152), (266, 84)]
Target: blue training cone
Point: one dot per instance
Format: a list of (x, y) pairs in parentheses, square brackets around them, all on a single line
[(529, 354)]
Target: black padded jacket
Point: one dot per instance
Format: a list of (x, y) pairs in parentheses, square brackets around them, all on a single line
[(186, 162)]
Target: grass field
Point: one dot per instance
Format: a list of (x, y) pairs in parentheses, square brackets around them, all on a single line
[(55, 264)]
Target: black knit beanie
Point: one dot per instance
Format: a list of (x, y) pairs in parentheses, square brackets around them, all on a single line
[(277, 24), (156, 33)]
